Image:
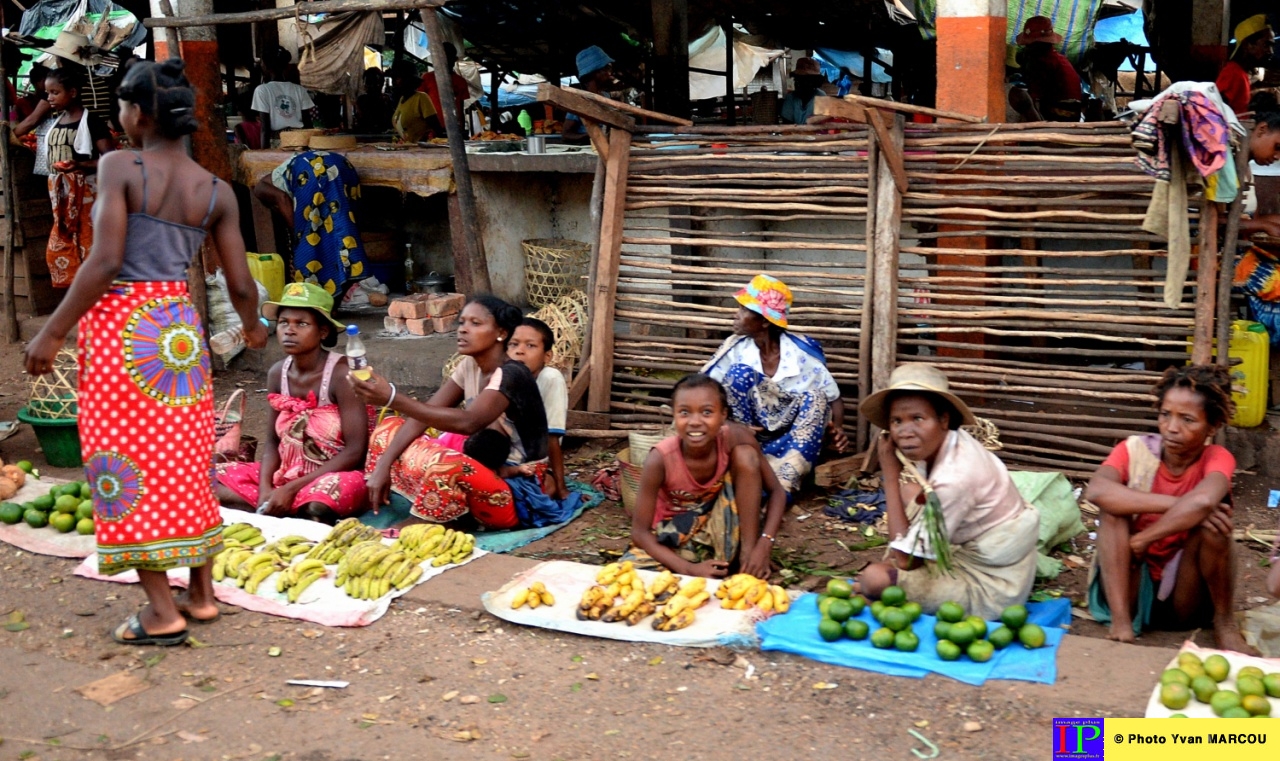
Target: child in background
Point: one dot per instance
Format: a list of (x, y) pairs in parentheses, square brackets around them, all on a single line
[(698, 511), (249, 130), (531, 344)]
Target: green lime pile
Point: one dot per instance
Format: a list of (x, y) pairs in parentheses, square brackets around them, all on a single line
[(64, 508), (840, 609), (1200, 679), (959, 634)]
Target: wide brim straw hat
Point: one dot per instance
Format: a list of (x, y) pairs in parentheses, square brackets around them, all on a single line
[(915, 377), (806, 67), (71, 46), (1038, 29), (768, 297), (305, 296)]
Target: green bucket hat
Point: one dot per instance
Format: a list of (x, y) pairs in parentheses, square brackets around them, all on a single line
[(305, 296)]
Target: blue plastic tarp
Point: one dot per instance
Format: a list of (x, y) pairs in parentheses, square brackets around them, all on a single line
[(797, 632), (1117, 28), (831, 61)]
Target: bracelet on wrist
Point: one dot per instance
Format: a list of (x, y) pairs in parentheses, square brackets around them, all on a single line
[(770, 538)]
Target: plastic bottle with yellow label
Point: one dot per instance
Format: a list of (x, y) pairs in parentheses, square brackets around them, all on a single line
[(356, 359)]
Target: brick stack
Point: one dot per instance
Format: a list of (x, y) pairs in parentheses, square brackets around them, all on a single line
[(423, 314)]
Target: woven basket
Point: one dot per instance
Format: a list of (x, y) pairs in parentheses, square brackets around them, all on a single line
[(567, 318), (297, 138), (554, 267), (628, 480), (332, 142), (53, 396)]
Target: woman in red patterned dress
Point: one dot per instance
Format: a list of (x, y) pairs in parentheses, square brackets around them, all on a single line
[(146, 393)]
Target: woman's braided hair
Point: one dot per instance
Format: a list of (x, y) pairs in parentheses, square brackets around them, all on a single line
[(1211, 382), (163, 93)]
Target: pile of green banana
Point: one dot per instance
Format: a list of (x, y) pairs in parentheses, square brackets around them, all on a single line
[(370, 569), (345, 534), (296, 578), (248, 567), (242, 535), (429, 540)]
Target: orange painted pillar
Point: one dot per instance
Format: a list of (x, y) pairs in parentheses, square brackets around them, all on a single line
[(198, 48), (971, 56)]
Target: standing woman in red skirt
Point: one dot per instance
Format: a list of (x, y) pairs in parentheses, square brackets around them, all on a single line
[(146, 391)]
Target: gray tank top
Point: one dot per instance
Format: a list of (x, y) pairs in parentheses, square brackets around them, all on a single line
[(157, 249)]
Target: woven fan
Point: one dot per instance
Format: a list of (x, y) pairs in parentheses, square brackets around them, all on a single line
[(53, 396)]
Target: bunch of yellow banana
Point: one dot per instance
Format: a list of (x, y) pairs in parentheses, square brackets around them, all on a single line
[(242, 534), (296, 578), (663, 588), (423, 541), (345, 534), (743, 590), (534, 595), (610, 573), (596, 600), (289, 547), (245, 567), (678, 612), (370, 569)]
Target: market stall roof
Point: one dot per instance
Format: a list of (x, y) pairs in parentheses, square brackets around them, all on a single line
[(543, 36)]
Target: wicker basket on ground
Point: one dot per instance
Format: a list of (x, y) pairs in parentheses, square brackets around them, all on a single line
[(553, 267)]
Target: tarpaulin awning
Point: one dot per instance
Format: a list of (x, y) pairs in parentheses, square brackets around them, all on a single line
[(708, 52), (854, 62), (1073, 19)]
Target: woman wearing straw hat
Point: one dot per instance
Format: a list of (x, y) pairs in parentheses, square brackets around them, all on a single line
[(989, 530), (778, 382)]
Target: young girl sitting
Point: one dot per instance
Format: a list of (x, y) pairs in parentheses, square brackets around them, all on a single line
[(698, 511), (319, 428)]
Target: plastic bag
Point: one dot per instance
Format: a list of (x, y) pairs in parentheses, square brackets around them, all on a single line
[(222, 313), (1052, 495)]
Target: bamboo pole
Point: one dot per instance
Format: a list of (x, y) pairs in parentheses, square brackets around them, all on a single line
[(606, 278), (289, 11), (10, 316)]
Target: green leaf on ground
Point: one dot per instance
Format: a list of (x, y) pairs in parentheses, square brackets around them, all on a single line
[(497, 697)]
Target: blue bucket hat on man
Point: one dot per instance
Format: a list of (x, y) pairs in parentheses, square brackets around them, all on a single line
[(591, 60)]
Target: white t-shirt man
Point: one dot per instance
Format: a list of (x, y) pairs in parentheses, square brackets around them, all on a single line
[(284, 102)]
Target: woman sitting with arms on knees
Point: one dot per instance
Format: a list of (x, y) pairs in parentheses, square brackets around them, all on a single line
[(778, 383), (1164, 545), (441, 484), (319, 428), (698, 510), (991, 530)]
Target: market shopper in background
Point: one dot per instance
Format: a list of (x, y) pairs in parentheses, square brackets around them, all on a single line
[(146, 398), (595, 75), (415, 118), (1165, 547), (797, 107), (1052, 90), (285, 103), (1255, 45), (461, 90)]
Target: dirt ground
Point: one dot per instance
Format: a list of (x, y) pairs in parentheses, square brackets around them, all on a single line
[(438, 677)]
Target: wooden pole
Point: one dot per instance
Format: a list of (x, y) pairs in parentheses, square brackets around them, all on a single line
[(1227, 272), (289, 11), (1206, 285), (606, 278), (10, 317), (474, 269), (888, 223), (671, 56), (731, 117), (868, 295)]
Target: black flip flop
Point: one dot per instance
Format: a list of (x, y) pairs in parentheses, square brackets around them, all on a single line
[(140, 636)]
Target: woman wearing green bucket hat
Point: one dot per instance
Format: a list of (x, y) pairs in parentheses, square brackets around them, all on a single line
[(319, 429)]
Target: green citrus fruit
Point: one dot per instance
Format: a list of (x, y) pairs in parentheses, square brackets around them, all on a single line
[(1223, 700), (1014, 616), (906, 641), (1177, 716), (979, 626), (1217, 667), (44, 502), (1272, 683), (25, 466), (882, 638), (895, 619), (1031, 636), (948, 650), (951, 612), (10, 513), (68, 490), (63, 523), (1175, 696), (859, 604), (1256, 705), (856, 628), (85, 510), (839, 588), (1175, 675), (942, 630), (86, 491), (877, 608), (1235, 712), (67, 504), (830, 630), (824, 603), (1001, 637), (893, 596), (962, 634), (1193, 668), (1203, 687), (981, 651), (1250, 685), (913, 610), (1185, 658), (85, 526), (36, 518), (1252, 671), (840, 610)]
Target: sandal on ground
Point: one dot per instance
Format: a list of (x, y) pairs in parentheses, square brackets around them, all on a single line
[(139, 635)]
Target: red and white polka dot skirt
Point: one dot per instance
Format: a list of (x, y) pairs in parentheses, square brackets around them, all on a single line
[(146, 428)]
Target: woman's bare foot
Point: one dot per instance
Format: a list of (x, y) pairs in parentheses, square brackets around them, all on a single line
[(152, 625), (1227, 636), (198, 611), (1121, 631)]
